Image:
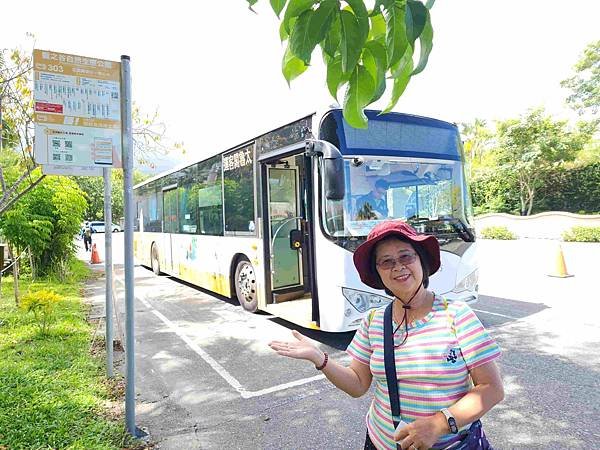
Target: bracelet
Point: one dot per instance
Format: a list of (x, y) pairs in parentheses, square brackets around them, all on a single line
[(322, 366)]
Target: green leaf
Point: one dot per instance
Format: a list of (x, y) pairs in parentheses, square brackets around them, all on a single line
[(429, 4), (426, 40), (322, 19), (396, 34), (292, 66), (301, 41), (361, 87), (377, 26), (402, 73), (334, 76), (385, 3), (332, 41), (375, 52), (251, 3), (416, 18), (294, 9), (351, 44), (361, 13), (283, 33), (311, 28), (277, 6)]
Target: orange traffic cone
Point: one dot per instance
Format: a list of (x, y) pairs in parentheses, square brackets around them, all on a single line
[(95, 257), (560, 270)]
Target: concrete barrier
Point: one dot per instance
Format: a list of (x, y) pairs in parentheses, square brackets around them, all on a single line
[(546, 225)]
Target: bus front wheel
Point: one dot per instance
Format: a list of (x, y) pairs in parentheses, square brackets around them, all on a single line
[(154, 261), (245, 285)]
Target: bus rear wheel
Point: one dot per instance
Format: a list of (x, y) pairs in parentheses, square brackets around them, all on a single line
[(245, 285), (154, 261)]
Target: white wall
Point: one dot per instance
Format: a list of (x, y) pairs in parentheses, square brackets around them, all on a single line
[(546, 225)]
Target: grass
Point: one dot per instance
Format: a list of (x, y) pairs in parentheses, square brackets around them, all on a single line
[(53, 392)]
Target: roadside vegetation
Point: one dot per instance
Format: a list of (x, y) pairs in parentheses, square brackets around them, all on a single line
[(502, 233), (53, 392), (582, 234)]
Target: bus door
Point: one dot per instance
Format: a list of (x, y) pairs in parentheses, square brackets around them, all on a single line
[(170, 225), (285, 228)]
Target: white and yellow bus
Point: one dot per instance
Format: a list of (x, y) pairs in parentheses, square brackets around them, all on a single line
[(274, 221)]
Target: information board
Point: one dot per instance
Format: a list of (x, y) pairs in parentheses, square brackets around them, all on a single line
[(76, 112)]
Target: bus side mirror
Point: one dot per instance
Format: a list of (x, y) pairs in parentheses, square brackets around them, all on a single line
[(333, 168)]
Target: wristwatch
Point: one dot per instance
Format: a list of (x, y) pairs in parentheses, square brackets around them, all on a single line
[(451, 420)]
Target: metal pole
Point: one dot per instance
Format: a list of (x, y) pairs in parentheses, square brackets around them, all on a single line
[(127, 141), (106, 172)]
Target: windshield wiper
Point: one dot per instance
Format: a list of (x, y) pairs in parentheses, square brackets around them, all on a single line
[(462, 229), (465, 233)]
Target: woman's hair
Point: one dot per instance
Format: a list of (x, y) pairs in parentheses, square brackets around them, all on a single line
[(418, 249)]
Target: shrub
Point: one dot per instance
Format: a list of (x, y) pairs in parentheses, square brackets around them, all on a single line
[(498, 233), (582, 234), (41, 304)]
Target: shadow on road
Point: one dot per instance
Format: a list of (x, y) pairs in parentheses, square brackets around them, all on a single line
[(552, 393), (497, 311)]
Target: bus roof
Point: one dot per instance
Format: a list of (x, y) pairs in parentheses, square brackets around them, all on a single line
[(396, 134), (191, 163), (358, 142)]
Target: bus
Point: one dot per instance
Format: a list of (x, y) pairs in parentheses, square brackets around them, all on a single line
[(273, 222)]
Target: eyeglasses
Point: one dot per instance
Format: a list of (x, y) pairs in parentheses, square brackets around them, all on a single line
[(390, 263)]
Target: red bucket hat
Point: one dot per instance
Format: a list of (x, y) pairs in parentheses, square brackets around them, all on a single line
[(362, 255)]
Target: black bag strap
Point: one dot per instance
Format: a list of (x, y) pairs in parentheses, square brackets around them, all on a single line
[(390, 364)]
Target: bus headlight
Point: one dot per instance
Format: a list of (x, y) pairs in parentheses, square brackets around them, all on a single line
[(468, 283), (363, 301)]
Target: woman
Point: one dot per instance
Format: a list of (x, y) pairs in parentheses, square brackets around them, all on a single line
[(447, 377)]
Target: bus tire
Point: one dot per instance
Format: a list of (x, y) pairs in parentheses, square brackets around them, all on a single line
[(245, 285), (154, 261)]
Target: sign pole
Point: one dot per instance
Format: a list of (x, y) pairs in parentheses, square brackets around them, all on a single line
[(127, 146), (108, 270)]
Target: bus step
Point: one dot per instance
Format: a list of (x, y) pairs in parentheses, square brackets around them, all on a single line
[(287, 296)]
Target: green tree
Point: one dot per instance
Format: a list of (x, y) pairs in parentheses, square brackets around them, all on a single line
[(16, 121), (478, 139), (362, 48), (93, 187), (585, 84), (532, 145)]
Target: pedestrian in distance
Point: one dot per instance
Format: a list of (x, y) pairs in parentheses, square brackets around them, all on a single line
[(432, 361), (87, 238)]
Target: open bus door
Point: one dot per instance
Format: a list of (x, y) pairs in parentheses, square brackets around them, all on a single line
[(289, 223), (287, 239)]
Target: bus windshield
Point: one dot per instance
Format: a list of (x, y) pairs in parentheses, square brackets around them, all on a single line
[(430, 194)]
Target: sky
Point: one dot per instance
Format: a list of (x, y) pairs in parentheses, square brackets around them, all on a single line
[(213, 68)]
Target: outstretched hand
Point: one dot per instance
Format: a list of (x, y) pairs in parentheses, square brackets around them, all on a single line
[(300, 348)]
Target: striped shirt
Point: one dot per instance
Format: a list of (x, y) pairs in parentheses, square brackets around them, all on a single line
[(432, 373)]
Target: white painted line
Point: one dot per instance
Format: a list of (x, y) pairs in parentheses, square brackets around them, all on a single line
[(281, 387), (221, 371), (495, 314)]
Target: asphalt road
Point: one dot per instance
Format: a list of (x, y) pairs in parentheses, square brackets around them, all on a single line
[(205, 378)]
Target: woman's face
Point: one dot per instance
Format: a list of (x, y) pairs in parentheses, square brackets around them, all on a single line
[(399, 267)]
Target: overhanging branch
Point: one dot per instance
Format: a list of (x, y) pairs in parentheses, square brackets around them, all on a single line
[(7, 205)]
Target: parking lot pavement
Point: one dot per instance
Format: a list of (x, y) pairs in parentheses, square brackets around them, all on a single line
[(549, 331), (206, 378)]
